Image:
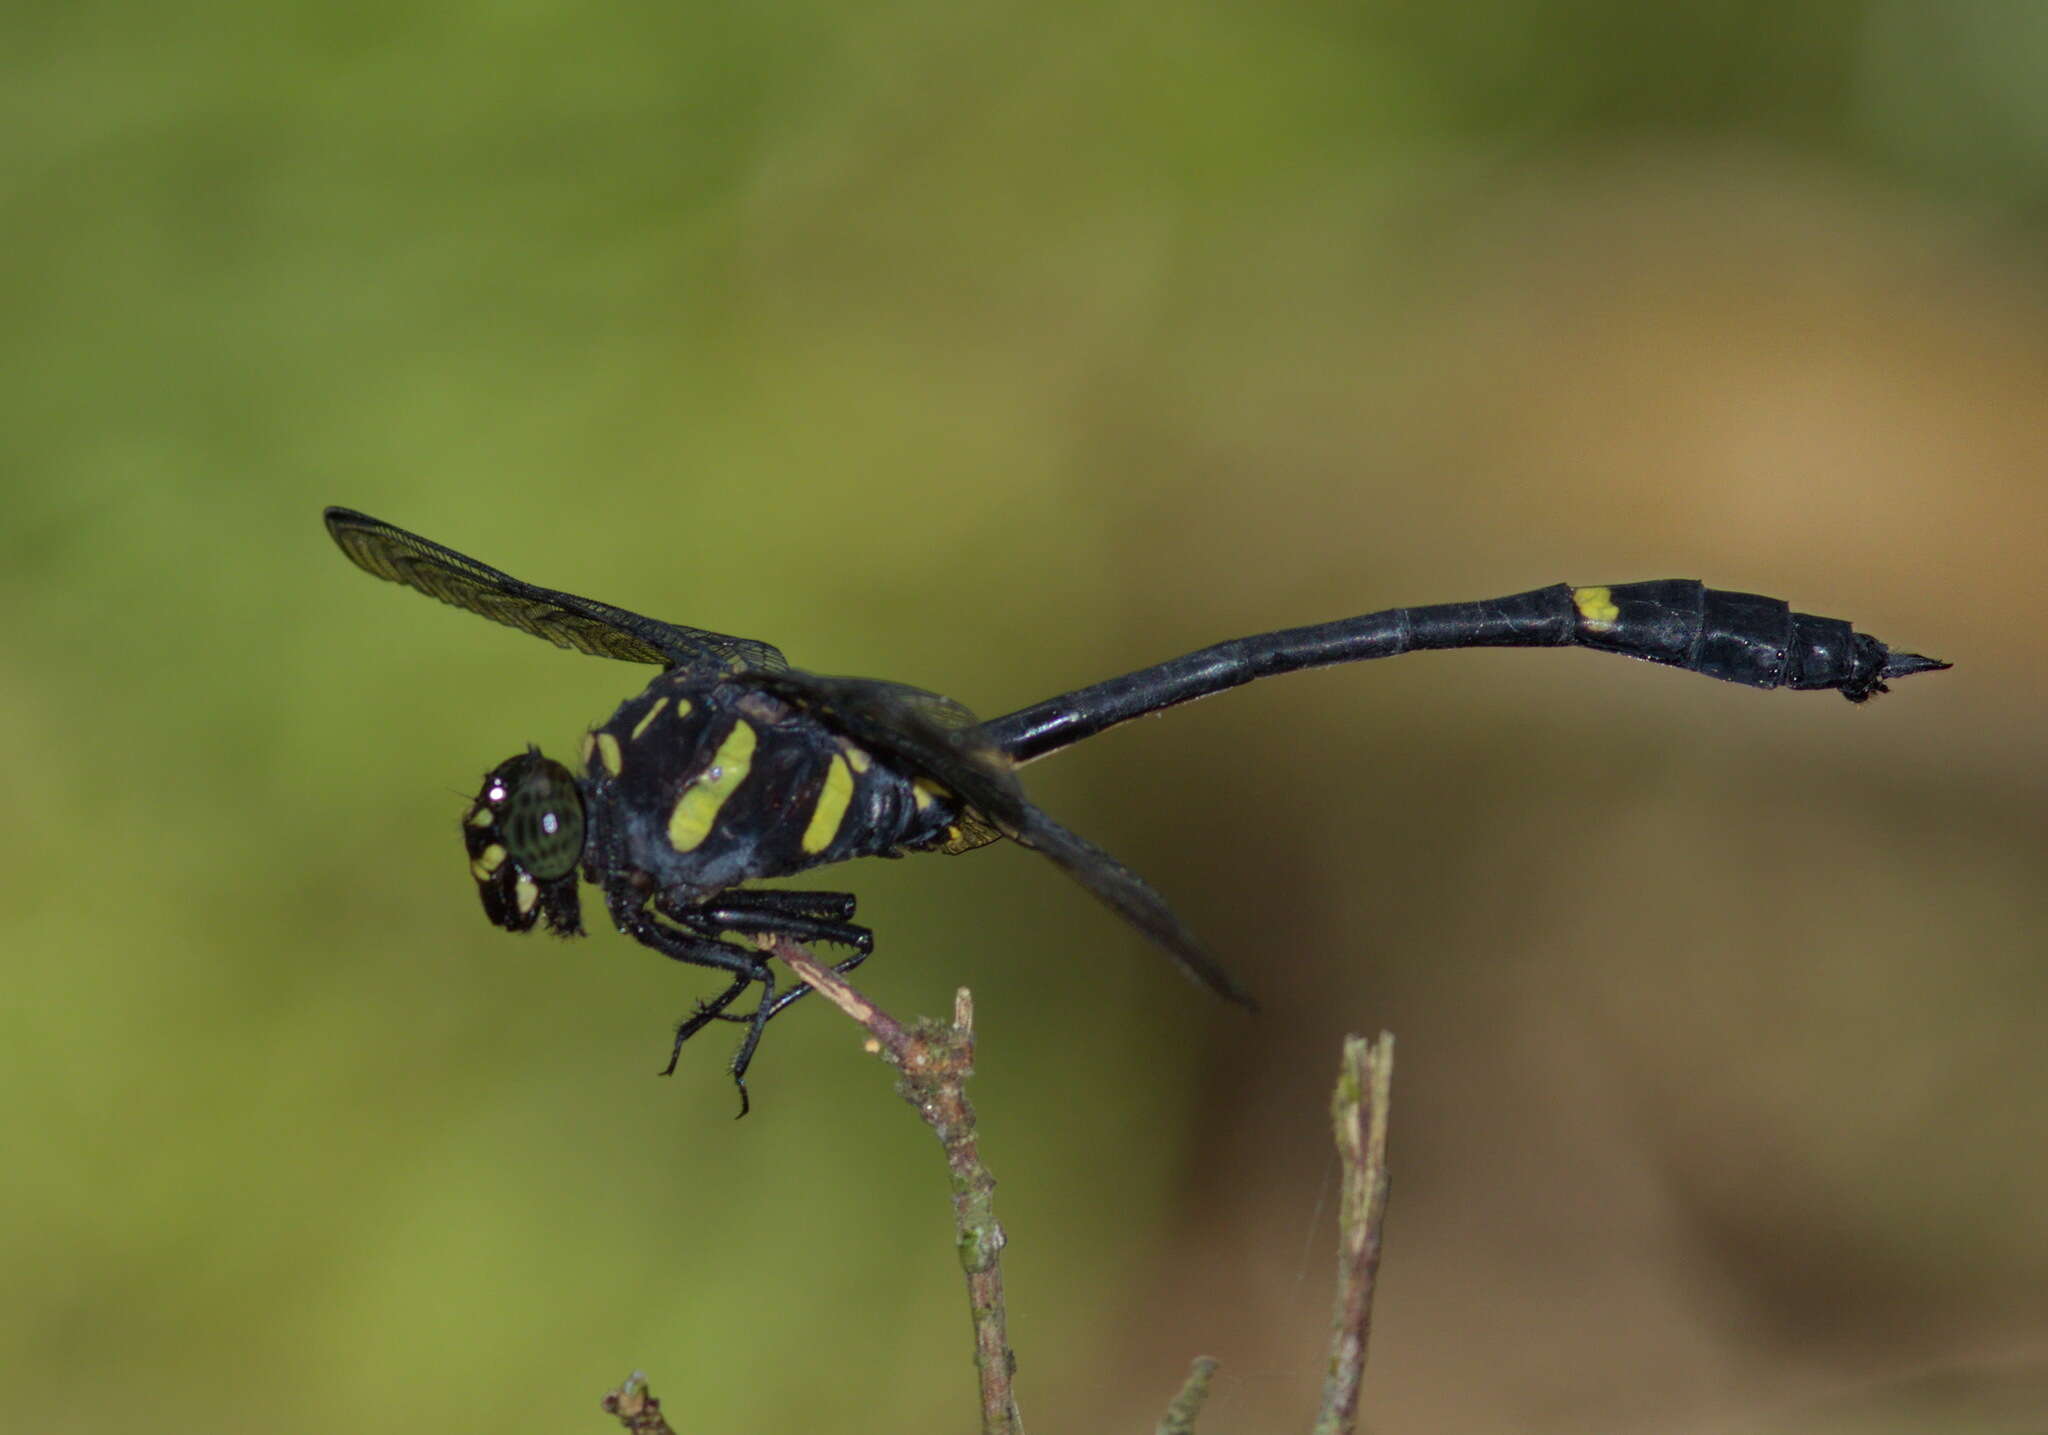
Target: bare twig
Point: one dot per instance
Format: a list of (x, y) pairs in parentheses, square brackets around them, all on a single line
[(1179, 1418), (935, 1061), (636, 1407), (1359, 1111)]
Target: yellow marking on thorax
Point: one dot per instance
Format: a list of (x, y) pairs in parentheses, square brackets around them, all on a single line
[(526, 893), (482, 817), (589, 749), (857, 757), (833, 798), (698, 807), (928, 793), (652, 713), (1596, 606), (487, 862), (608, 749)]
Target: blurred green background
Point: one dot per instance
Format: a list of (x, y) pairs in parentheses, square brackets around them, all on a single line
[(999, 348)]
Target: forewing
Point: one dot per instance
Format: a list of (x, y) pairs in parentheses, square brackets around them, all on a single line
[(936, 738), (584, 624)]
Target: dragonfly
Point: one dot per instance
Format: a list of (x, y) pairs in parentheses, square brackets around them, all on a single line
[(732, 766)]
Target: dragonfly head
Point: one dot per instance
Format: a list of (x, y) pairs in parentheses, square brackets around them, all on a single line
[(525, 836)]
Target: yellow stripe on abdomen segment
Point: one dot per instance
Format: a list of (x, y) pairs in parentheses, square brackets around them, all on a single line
[(698, 807), (1596, 607), (833, 798)]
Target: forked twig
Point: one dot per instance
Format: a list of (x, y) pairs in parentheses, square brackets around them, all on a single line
[(935, 1061)]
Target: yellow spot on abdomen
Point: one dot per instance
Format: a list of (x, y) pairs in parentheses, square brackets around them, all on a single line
[(857, 757), (608, 749), (1596, 607), (833, 798), (652, 713), (698, 807), (928, 792)]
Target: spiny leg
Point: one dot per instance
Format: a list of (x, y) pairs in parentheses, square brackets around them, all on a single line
[(744, 1057), (632, 917), (710, 920), (800, 990), (825, 906), (706, 1013), (772, 912)]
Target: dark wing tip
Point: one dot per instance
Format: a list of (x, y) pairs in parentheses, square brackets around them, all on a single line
[(355, 532), (337, 518), (1121, 890), (1238, 996), (1203, 969)]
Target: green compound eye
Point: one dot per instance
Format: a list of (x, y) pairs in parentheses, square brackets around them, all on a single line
[(537, 814)]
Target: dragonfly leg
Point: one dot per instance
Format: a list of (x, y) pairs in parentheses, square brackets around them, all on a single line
[(706, 1013), (744, 1057), (796, 915), (630, 914), (782, 1002), (825, 906)]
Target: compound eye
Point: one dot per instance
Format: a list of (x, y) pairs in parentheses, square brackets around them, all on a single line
[(538, 815)]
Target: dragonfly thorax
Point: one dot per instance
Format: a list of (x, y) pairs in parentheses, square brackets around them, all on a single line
[(702, 785)]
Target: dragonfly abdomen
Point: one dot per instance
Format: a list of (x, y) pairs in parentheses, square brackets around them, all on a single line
[(1680, 622)]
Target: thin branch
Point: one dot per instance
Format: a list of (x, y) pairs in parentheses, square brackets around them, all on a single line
[(636, 1407), (935, 1061), (1359, 1112)]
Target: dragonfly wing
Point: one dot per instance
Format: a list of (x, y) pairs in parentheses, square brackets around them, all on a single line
[(588, 626)]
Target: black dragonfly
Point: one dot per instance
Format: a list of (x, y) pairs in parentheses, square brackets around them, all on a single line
[(732, 765)]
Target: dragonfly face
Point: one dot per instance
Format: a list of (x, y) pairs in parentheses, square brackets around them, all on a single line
[(525, 834), (733, 766)]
